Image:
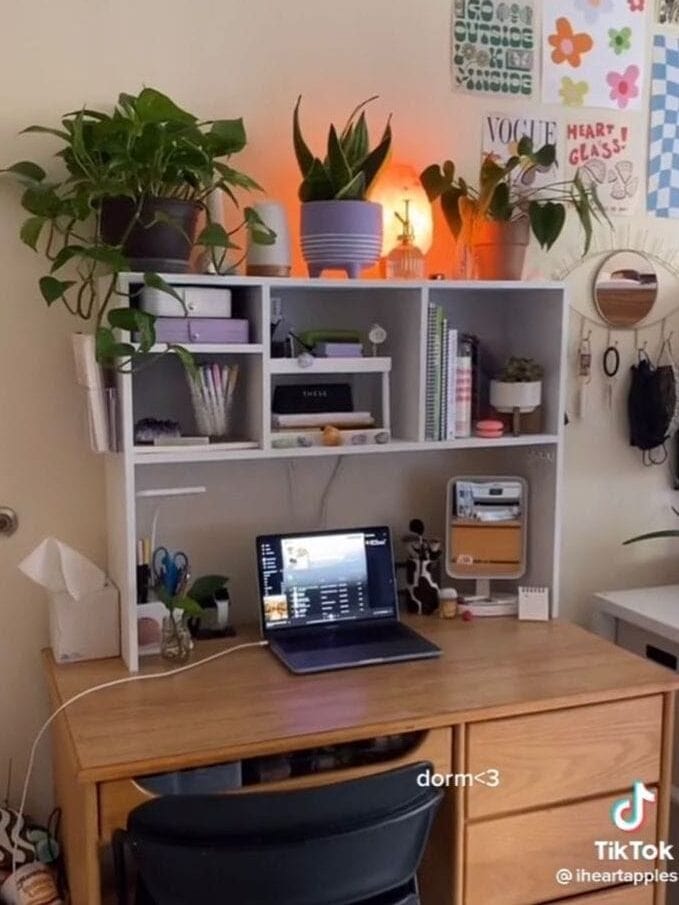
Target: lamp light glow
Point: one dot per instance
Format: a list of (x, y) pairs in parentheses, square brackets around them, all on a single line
[(397, 183)]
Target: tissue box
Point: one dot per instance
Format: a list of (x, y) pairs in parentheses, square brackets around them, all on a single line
[(85, 629)]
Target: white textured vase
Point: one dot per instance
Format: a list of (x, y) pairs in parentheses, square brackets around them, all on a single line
[(271, 260)]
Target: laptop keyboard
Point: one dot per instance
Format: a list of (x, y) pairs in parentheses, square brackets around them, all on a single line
[(348, 637)]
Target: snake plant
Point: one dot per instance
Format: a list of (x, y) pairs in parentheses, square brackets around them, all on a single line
[(349, 167), (654, 535)]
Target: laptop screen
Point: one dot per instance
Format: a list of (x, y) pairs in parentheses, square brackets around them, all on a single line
[(326, 578)]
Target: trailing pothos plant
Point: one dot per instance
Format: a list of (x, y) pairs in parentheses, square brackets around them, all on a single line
[(147, 147), (505, 193), (192, 601)]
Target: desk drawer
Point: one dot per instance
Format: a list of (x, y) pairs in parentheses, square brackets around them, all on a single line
[(545, 758), (118, 797), (513, 860), (621, 895)]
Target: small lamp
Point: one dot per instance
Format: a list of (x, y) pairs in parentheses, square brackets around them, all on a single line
[(407, 220)]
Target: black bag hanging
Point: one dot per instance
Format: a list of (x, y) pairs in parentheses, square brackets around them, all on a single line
[(650, 409)]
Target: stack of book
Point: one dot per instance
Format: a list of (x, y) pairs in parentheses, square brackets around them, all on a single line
[(300, 421), (449, 388), (302, 412), (332, 343), (338, 350)]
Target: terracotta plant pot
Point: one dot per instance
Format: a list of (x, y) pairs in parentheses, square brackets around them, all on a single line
[(500, 248)]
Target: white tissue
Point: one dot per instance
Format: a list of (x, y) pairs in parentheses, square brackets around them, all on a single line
[(61, 569)]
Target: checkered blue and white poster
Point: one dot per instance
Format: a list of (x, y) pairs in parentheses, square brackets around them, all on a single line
[(663, 141)]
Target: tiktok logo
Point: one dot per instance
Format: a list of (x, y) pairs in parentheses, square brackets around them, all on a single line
[(628, 813)]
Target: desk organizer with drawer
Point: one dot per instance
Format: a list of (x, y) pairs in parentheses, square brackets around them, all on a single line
[(197, 301)]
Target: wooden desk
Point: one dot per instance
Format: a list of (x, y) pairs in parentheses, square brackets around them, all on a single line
[(568, 720)]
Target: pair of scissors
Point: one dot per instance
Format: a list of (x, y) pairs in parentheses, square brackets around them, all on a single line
[(170, 569)]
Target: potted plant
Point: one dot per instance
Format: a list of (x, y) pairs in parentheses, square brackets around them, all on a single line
[(495, 220), (176, 643), (518, 389), (135, 182), (654, 535), (339, 228)]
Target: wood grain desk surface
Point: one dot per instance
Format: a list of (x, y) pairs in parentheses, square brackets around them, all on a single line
[(247, 703)]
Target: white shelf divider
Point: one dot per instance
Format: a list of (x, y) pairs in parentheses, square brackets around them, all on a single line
[(210, 348), (363, 365), (224, 452)]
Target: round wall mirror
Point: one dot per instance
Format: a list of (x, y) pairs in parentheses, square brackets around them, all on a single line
[(625, 288)]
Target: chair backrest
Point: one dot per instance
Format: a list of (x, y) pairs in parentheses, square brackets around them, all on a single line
[(330, 845)]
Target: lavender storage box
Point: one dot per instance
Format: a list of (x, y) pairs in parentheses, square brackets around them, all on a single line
[(202, 330)]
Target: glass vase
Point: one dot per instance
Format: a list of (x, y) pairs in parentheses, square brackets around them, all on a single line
[(175, 643), (405, 262)]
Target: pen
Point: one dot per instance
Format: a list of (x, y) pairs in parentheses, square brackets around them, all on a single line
[(214, 402), (219, 393)]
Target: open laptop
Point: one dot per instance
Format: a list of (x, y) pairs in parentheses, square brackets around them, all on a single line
[(328, 600)]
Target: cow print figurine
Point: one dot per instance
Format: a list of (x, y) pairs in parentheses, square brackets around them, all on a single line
[(422, 570)]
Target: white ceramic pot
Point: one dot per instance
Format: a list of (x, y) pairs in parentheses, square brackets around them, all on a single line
[(506, 397), (271, 260)]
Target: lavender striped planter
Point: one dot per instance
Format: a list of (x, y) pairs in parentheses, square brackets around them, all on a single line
[(341, 235)]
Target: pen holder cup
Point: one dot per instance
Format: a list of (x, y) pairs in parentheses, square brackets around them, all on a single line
[(212, 401)]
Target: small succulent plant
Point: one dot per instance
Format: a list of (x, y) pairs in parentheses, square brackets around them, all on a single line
[(349, 166), (521, 370)]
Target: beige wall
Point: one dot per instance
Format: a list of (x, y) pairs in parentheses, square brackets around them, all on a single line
[(228, 58)]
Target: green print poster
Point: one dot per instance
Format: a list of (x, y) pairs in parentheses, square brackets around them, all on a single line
[(493, 47)]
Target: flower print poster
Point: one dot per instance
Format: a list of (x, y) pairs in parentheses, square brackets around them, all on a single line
[(593, 53), (494, 47)]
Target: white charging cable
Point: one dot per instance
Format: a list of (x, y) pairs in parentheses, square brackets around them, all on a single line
[(88, 691)]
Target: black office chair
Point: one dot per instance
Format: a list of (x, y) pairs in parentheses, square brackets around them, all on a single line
[(352, 843)]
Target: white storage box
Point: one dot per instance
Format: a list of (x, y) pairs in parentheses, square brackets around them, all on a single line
[(199, 301), (85, 629)]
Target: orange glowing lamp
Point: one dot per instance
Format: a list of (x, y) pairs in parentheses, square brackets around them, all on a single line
[(397, 183)]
